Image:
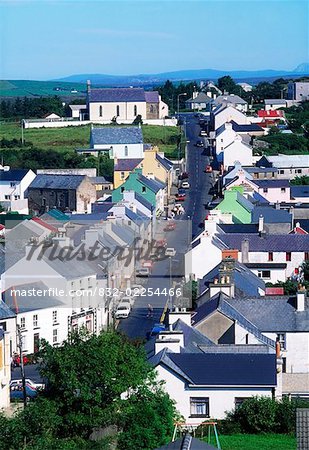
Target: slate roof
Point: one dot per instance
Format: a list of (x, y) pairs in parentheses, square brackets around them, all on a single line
[(192, 337), (300, 191), (152, 96), (200, 98), (229, 99), (222, 303), (257, 198), (127, 165), (98, 180), (44, 181), (246, 282), (244, 202), (286, 161), (143, 201), (247, 128), (116, 135), (271, 215), (117, 95), (274, 101), (238, 227), (268, 242), (153, 185), (5, 311), (13, 174), (256, 169), (166, 163), (272, 183), (227, 369)]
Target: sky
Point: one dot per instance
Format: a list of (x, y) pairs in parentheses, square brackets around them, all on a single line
[(48, 39)]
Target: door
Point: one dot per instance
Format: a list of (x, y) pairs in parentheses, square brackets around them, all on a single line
[(36, 341)]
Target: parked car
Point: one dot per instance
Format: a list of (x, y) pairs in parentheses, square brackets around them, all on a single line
[(180, 197), (208, 169), (170, 226), (183, 176), (17, 392), (127, 300), (185, 185), (157, 328), (160, 243), (29, 382), (142, 272), (182, 191), (203, 133), (170, 252), (123, 311), (136, 289), (199, 143)]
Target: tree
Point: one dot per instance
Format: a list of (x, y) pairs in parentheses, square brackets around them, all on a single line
[(138, 120), (303, 180), (305, 270), (227, 84)]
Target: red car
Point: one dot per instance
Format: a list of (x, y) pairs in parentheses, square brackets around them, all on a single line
[(208, 169), (160, 243), (180, 197), (183, 176), (170, 226)]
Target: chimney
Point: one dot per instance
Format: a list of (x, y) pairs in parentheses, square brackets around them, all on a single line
[(261, 225), (277, 205), (181, 314), (245, 251), (214, 96), (194, 95), (301, 299), (172, 340)]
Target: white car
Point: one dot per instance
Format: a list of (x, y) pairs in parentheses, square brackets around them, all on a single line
[(143, 272), (29, 382), (185, 185), (136, 289), (171, 252), (123, 311), (127, 301)]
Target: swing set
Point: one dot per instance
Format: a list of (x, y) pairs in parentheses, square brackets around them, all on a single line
[(205, 429)]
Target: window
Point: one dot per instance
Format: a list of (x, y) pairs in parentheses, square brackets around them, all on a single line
[(55, 336), (199, 406), (122, 189), (270, 256), (55, 316), (282, 190), (143, 189), (7, 197), (17, 197), (35, 320), (126, 151), (265, 190), (100, 111), (151, 108), (281, 172), (247, 338), (288, 256), (221, 140), (239, 401), (43, 201), (284, 365), (117, 110), (135, 110), (306, 256), (22, 323), (264, 274), (298, 170), (122, 175), (281, 340), (12, 184)]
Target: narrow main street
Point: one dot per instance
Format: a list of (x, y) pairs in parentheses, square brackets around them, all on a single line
[(137, 325)]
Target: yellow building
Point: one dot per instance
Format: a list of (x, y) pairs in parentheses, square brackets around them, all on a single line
[(123, 168), (155, 165)]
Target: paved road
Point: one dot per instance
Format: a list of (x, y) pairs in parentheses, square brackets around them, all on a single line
[(137, 325), (31, 371)]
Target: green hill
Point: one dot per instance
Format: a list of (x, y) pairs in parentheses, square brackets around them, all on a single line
[(30, 88)]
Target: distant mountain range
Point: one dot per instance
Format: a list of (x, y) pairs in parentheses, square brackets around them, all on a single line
[(185, 75)]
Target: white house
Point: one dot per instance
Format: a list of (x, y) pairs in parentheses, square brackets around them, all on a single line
[(7, 347), (289, 166), (124, 104), (199, 100), (226, 113), (117, 142), (206, 380), (245, 86), (236, 151), (272, 104), (263, 320), (13, 185)]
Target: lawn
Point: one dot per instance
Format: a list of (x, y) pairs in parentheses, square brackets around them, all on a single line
[(256, 442), (69, 138)]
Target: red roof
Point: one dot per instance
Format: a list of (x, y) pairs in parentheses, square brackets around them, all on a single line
[(274, 291), (44, 224), (298, 230), (2, 227), (276, 114)]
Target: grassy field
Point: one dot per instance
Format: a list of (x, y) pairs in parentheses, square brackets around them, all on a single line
[(69, 138), (256, 442), (30, 88)]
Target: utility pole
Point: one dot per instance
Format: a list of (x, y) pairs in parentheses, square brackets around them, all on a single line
[(22, 132), (22, 368)]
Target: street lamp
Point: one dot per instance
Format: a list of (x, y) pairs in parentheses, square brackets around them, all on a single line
[(178, 96)]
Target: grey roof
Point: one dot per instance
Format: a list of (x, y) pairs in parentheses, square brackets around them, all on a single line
[(222, 303), (246, 282), (152, 96), (43, 181), (143, 201), (229, 98), (244, 202), (272, 183), (238, 227), (153, 185), (98, 180), (5, 311), (271, 215), (192, 337), (257, 198), (274, 101), (200, 98), (116, 135), (268, 242), (127, 164), (13, 174), (117, 95), (255, 169), (166, 163), (300, 191), (273, 314), (247, 128), (30, 302)]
